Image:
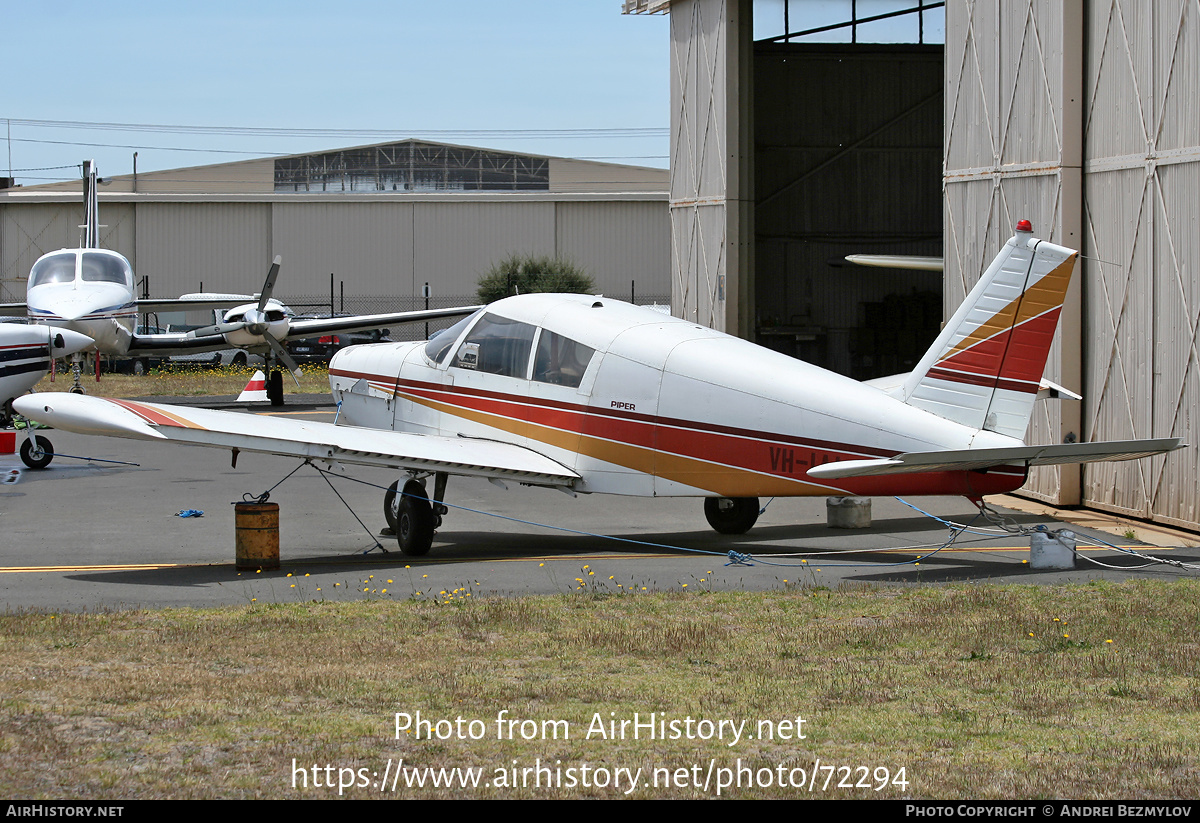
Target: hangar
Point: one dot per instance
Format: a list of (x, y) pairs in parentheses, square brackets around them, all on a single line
[(802, 128), (360, 228)]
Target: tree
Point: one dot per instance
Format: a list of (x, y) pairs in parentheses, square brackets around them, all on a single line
[(526, 273)]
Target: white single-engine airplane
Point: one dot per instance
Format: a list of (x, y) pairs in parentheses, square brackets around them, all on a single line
[(592, 395), (90, 290)]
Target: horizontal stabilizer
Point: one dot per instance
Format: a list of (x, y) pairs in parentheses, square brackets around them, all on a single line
[(898, 261), (304, 439), (979, 459)]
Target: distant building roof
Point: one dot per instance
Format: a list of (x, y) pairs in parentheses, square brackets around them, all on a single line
[(403, 166)]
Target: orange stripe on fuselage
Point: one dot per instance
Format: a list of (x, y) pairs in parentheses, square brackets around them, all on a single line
[(155, 416), (1048, 293), (722, 463)]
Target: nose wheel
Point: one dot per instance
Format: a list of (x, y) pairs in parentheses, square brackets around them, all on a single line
[(36, 452)]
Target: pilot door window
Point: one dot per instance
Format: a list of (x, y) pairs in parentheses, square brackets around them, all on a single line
[(560, 360), (496, 346)]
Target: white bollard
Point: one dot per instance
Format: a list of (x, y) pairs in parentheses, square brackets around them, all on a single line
[(1049, 551), (848, 512)]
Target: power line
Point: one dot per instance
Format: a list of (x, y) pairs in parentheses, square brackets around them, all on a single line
[(654, 131)]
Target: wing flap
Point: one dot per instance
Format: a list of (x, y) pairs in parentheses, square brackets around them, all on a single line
[(294, 438), (979, 459)]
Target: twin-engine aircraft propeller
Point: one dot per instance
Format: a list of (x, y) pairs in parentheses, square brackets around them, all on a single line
[(259, 324)]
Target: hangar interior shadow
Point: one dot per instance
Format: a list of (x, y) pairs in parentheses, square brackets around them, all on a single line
[(847, 160)]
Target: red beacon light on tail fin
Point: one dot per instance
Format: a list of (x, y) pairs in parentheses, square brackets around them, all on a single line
[(1024, 225)]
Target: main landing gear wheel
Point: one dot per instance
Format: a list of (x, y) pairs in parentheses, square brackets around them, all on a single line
[(389, 506), (36, 452), (415, 520), (731, 515)]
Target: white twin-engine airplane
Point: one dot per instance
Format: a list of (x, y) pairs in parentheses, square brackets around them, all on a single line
[(592, 395), (90, 291)]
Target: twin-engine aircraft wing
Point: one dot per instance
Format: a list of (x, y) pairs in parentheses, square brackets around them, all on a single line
[(979, 459), (181, 343), (298, 329), (294, 438)]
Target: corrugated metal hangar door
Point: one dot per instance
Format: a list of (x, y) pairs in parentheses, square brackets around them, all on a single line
[(1082, 118), (1142, 176)]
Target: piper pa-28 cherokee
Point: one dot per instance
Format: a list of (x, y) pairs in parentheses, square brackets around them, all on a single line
[(592, 395)]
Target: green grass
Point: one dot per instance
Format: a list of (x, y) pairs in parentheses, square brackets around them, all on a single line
[(977, 692), (187, 380)]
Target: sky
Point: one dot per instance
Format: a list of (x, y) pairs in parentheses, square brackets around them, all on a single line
[(238, 80)]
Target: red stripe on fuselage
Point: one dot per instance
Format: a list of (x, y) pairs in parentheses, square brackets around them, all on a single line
[(764, 453)]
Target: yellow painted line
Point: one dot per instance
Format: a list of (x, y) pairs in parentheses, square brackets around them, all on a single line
[(117, 567)]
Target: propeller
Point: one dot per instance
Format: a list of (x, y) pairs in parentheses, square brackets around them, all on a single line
[(255, 321)]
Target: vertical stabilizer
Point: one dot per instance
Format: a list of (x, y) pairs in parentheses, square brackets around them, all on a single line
[(91, 207), (983, 370)]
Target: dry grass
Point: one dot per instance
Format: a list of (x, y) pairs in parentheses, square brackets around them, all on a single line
[(989, 692), (187, 380)]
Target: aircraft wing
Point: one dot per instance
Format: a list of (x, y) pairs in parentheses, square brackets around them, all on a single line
[(298, 329), (194, 302), (170, 343), (304, 439), (978, 459), (897, 261)]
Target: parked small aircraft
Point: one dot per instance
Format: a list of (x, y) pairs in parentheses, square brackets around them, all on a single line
[(90, 290), (25, 355), (592, 395)]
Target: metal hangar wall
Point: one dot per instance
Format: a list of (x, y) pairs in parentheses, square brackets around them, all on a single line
[(382, 219), (1080, 117)]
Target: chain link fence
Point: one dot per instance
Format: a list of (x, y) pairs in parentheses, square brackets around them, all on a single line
[(321, 305)]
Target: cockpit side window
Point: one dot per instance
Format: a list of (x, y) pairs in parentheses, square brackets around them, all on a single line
[(560, 360), (496, 345), (441, 341), (103, 268), (58, 268)]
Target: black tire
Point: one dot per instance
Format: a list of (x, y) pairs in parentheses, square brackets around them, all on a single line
[(275, 387), (138, 368), (731, 515), (414, 521), (38, 457), (389, 500), (239, 360)]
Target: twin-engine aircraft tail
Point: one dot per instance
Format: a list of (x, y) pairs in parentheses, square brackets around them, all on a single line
[(985, 368)]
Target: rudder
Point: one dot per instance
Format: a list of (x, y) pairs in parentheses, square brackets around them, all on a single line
[(984, 368)]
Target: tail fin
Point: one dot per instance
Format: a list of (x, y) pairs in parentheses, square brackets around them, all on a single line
[(984, 369)]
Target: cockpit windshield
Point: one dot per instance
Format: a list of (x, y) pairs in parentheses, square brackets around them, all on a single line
[(106, 268), (53, 268), (441, 342)]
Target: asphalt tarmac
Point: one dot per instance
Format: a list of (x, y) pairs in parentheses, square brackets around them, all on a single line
[(86, 535)]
